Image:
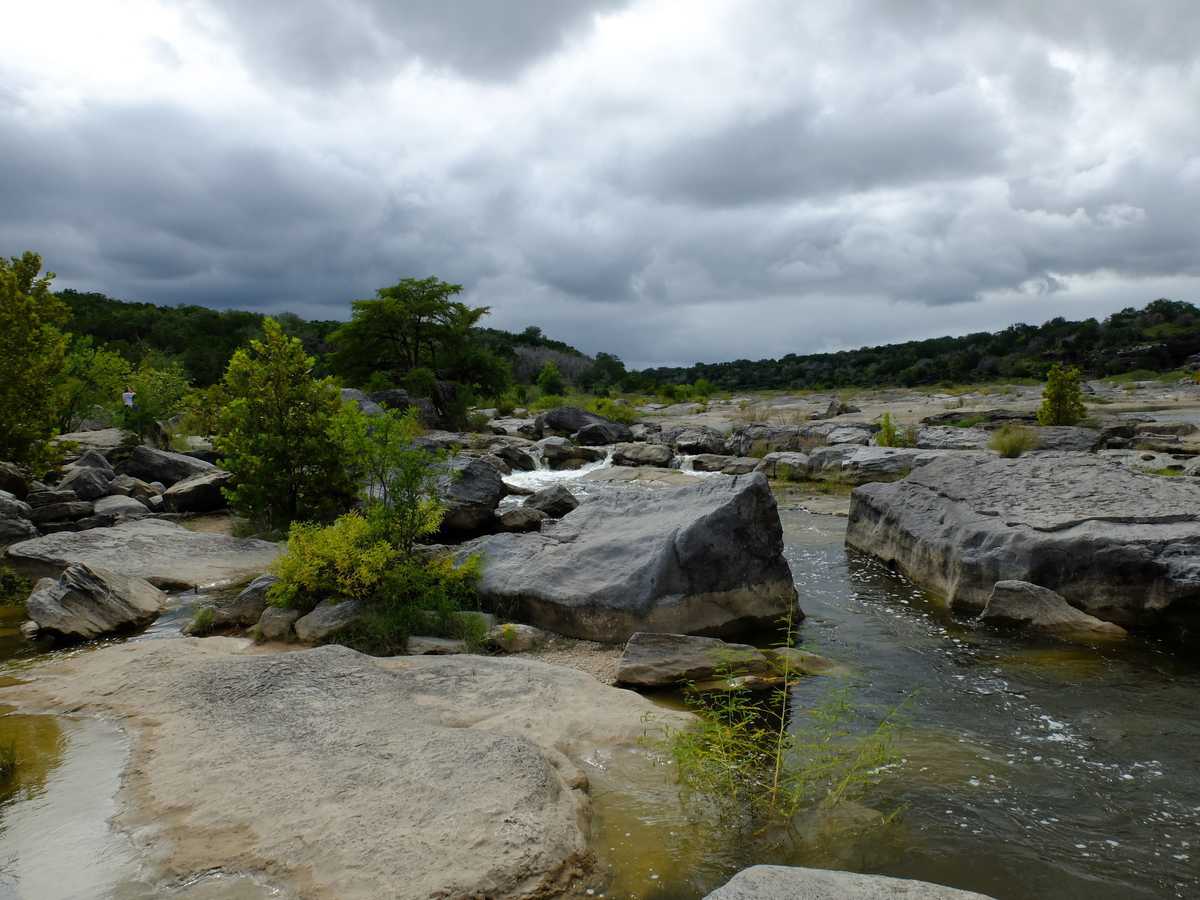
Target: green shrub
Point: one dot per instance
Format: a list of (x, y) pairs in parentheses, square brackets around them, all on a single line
[(548, 401), (202, 621), (1165, 472), (160, 388), (478, 423), (890, 435), (8, 761), (421, 382), (1062, 400), (614, 410), (506, 403), (14, 588), (343, 561), (550, 380), (1010, 441)]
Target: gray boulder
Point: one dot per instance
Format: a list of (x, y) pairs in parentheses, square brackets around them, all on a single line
[(947, 437), (275, 624), (45, 498), (12, 508), (642, 455), (521, 519), (119, 507), (567, 420), (849, 434), (560, 453), (15, 525), (86, 602), (128, 486), (69, 511), (868, 464), (555, 501), (104, 439), (794, 883), (87, 483), (197, 493), (164, 553), (151, 464), (93, 459), (598, 434), (1120, 545), (1025, 605), (659, 660), (1067, 438), (14, 479), (694, 441), (514, 456), (243, 608), (706, 558), (785, 466), (471, 489), (326, 620), (514, 638)]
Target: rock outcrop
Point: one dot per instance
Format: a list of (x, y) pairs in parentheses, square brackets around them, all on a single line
[(555, 501), (197, 493), (1118, 544), (352, 777), (706, 558), (1024, 605), (15, 519), (151, 464), (471, 490), (642, 455), (244, 608), (165, 554), (86, 602), (794, 883), (658, 660)]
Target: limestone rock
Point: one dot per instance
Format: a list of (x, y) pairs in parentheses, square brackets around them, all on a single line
[(119, 507), (326, 620), (151, 464), (785, 466), (88, 483), (276, 624), (163, 553), (1026, 605), (706, 558), (555, 501), (598, 434), (521, 519), (198, 493), (87, 603), (1120, 545), (947, 437), (471, 490), (794, 883), (512, 637), (660, 660), (642, 455), (243, 608), (1067, 438)]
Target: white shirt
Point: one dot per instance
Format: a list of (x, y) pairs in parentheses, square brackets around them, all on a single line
[(127, 398)]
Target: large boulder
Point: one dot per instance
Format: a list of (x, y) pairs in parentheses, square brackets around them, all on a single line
[(164, 553), (326, 620), (471, 489), (520, 519), (15, 523), (598, 434), (1025, 605), (244, 608), (794, 883), (1067, 438), (568, 420), (14, 479), (105, 440), (696, 440), (69, 511), (785, 465), (555, 501), (642, 455), (702, 559), (151, 464), (128, 486), (197, 493), (560, 453), (93, 459), (947, 437), (347, 776), (1120, 545), (658, 660), (86, 602), (88, 482), (119, 507)]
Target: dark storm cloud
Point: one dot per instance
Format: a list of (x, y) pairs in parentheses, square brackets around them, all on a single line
[(669, 181), (317, 42)]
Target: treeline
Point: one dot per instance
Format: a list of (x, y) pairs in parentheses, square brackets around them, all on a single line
[(1159, 337)]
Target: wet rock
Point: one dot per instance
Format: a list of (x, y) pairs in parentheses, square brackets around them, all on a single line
[(599, 434), (276, 624), (794, 883), (242, 609), (560, 453), (1120, 545), (471, 490), (642, 455), (793, 660), (86, 602), (87, 483), (555, 501), (661, 660), (326, 620), (514, 456), (567, 420), (1025, 605), (163, 553), (151, 464), (198, 493), (706, 558), (514, 638)]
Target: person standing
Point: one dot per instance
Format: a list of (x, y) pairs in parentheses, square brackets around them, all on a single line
[(127, 397)]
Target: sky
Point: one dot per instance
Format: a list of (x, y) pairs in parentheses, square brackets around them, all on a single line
[(668, 180)]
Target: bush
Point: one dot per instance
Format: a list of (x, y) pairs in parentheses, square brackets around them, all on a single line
[(506, 403), (1011, 441), (14, 588), (421, 382), (479, 423), (279, 435), (202, 621), (1062, 400), (613, 410), (159, 393), (550, 380), (343, 561), (548, 401), (892, 436)]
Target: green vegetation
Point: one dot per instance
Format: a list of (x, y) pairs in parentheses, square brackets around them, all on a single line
[(1010, 441), (202, 621), (8, 762), (160, 387), (550, 380), (14, 588), (1062, 401), (891, 435), (279, 434), (1165, 472), (31, 360)]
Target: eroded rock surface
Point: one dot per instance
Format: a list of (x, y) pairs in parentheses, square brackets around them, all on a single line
[(794, 883), (1120, 545), (85, 603), (1020, 604), (349, 777)]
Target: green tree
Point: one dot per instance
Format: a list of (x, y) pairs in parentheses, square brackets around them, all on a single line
[(550, 380), (92, 377), (1062, 400), (279, 435), (160, 389), (32, 349)]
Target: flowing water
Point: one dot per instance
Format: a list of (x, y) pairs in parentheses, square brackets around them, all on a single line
[(1028, 769)]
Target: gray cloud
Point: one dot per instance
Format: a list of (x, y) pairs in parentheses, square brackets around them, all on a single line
[(648, 178)]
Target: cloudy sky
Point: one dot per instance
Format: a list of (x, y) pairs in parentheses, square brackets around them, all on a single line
[(670, 180)]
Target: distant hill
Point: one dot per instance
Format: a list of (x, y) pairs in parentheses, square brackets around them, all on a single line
[(1159, 337)]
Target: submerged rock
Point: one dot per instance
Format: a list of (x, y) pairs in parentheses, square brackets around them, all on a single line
[(85, 603), (1025, 605), (163, 553), (1118, 544), (706, 558), (795, 883)]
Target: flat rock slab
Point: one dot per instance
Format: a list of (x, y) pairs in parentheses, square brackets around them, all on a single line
[(794, 883), (167, 555), (656, 660), (344, 776), (702, 559), (1119, 544)]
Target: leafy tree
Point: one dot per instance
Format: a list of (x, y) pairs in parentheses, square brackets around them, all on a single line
[(278, 434), (32, 351), (92, 377), (550, 380), (160, 388), (1062, 400)]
